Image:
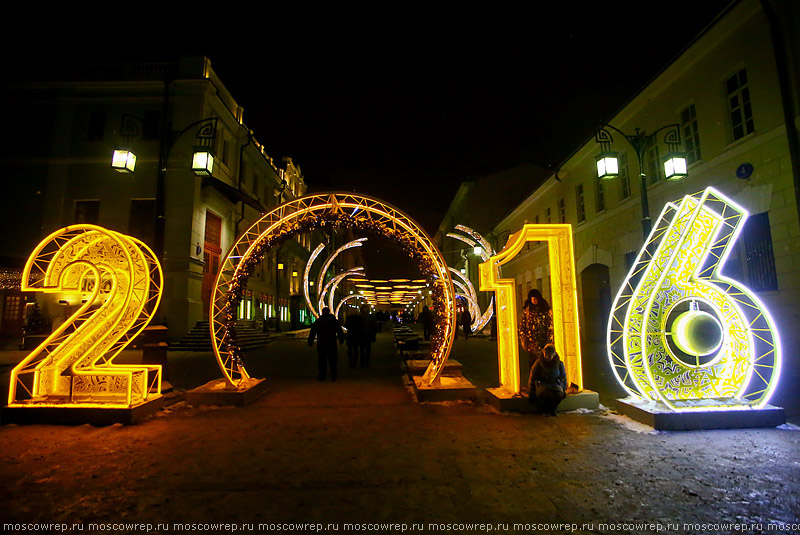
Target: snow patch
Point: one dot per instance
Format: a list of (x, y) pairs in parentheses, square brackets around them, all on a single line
[(629, 424)]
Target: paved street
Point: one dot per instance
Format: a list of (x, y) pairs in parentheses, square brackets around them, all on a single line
[(361, 454)]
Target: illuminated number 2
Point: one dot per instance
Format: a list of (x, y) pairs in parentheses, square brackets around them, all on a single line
[(679, 330), (564, 301), (116, 281)]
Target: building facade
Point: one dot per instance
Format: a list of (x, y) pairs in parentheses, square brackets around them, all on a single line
[(60, 166), (733, 92)]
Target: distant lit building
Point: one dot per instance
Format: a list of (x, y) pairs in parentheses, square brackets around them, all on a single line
[(59, 172), (726, 93)]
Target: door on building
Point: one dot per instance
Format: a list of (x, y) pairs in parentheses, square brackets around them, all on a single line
[(212, 250), (596, 301), (13, 314)]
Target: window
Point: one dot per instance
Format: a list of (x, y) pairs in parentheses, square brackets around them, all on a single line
[(739, 104), (601, 195), (87, 212), (653, 164), (549, 218), (562, 211), (536, 219), (752, 260), (691, 139), (579, 203), (624, 177), (142, 219), (96, 125)]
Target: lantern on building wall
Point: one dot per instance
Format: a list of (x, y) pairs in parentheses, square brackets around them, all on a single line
[(203, 162), (123, 161)]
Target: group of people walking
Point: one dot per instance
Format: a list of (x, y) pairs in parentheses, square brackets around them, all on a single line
[(361, 330), (547, 377)]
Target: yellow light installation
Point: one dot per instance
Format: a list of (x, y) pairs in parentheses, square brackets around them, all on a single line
[(306, 281), (306, 214), (680, 332), (564, 302), (117, 279)]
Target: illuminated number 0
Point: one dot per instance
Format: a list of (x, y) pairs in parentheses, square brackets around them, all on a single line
[(564, 302), (117, 281)]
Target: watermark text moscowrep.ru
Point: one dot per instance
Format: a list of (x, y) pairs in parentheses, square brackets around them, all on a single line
[(397, 527)]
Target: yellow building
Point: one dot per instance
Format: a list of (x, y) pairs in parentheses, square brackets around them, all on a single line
[(732, 93), (66, 132)]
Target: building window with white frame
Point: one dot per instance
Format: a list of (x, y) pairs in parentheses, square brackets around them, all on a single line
[(601, 195), (653, 164), (624, 177), (752, 259), (691, 136), (741, 112)]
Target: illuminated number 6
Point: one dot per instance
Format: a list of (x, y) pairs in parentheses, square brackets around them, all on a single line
[(117, 281), (564, 302), (679, 330)]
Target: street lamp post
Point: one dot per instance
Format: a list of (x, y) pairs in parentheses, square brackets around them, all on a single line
[(608, 166), (124, 161)]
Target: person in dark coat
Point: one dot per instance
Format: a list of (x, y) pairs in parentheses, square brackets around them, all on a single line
[(466, 322), (353, 326), (326, 329), (547, 381), (367, 332), (426, 318)]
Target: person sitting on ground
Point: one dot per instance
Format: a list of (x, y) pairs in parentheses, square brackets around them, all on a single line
[(547, 381)]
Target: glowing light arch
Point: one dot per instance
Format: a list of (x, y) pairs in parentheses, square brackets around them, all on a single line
[(117, 280), (486, 251), (681, 263), (330, 286), (306, 214)]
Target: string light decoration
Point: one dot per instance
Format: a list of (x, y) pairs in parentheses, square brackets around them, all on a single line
[(117, 281), (680, 332), (334, 210), (480, 244), (564, 301), (306, 274)]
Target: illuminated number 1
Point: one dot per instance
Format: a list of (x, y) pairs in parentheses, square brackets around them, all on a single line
[(117, 282), (564, 302), (679, 330)]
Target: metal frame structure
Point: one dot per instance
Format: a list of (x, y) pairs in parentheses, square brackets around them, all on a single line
[(116, 280), (305, 214), (681, 262)]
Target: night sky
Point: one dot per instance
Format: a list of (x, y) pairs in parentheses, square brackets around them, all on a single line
[(399, 101)]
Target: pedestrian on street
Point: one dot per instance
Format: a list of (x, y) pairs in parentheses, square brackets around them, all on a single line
[(327, 330), (536, 326), (426, 318), (367, 331), (466, 323), (547, 381), (353, 326)]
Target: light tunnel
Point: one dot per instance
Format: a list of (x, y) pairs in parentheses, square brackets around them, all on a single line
[(337, 210)]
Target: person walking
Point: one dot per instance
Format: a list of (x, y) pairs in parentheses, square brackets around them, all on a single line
[(536, 326), (466, 323), (353, 326), (426, 318), (327, 330), (547, 381), (366, 334)]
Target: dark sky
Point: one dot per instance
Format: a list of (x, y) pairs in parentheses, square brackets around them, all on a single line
[(405, 107), (400, 101)]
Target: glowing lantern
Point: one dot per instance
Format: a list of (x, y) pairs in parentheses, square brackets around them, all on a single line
[(607, 165), (124, 161), (675, 166), (202, 163)]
